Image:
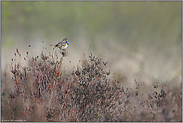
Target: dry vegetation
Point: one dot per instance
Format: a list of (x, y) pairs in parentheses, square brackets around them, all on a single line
[(43, 91)]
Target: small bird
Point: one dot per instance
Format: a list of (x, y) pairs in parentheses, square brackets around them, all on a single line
[(62, 44)]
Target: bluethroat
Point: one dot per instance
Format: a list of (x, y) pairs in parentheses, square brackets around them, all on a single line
[(62, 44)]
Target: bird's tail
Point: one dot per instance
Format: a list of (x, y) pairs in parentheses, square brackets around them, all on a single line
[(52, 45)]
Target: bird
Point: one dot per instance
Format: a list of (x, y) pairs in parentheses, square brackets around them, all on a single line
[(62, 44)]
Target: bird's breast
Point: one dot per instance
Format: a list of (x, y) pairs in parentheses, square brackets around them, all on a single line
[(65, 46)]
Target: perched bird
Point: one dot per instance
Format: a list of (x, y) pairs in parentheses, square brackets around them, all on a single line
[(62, 44)]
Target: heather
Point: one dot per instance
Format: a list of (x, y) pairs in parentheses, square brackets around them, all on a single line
[(44, 91)]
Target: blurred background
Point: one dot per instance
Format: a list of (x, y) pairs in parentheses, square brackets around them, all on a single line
[(139, 40)]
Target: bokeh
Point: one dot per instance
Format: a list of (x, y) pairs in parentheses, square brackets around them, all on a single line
[(123, 62), (139, 40)]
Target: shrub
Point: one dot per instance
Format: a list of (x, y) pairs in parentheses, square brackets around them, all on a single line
[(44, 92)]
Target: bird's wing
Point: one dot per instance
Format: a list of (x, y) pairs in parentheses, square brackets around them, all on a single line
[(62, 43)]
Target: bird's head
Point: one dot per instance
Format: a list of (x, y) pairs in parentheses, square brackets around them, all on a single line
[(65, 39)]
